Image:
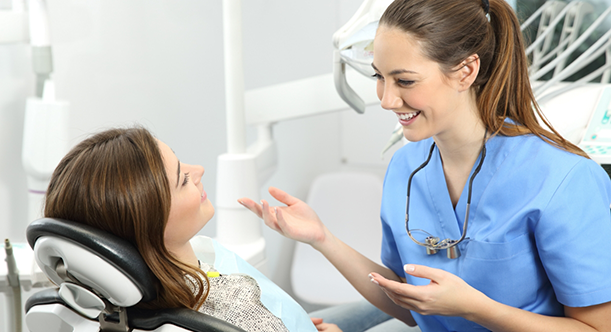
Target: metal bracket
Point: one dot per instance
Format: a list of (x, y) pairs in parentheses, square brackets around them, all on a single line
[(110, 324)]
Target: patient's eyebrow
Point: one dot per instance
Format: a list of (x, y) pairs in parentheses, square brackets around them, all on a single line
[(178, 174)]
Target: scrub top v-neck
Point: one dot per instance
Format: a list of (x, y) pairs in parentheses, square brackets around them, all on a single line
[(535, 213)]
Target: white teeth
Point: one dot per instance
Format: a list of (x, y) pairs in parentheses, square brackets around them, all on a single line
[(407, 116)]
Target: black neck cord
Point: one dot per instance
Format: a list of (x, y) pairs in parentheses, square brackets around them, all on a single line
[(475, 172)]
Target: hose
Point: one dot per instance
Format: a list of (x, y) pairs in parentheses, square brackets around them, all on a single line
[(13, 280)]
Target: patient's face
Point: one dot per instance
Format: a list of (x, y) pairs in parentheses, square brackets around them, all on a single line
[(191, 209)]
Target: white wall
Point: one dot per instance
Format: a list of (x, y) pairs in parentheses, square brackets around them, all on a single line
[(160, 64)]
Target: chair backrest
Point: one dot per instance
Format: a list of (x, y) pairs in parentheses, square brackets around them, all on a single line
[(95, 258), (100, 278), (348, 203)]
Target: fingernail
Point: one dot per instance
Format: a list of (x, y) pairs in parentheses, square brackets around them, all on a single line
[(373, 280), (409, 268), (240, 201), (275, 210)]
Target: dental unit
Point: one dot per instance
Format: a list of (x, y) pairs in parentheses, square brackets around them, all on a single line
[(45, 140)]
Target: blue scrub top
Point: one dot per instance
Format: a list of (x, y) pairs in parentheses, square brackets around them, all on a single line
[(538, 232)]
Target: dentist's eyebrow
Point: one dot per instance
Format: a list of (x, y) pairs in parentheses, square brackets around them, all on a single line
[(396, 71), (178, 174)]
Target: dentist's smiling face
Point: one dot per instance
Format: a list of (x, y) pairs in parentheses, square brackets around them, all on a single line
[(190, 208), (424, 99)]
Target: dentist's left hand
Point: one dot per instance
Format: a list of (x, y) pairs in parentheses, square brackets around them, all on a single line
[(296, 220), (446, 294)]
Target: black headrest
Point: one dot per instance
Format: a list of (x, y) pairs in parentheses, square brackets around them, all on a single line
[(116, 251)]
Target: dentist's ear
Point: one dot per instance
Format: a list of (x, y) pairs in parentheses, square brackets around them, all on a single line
[(468, 71)]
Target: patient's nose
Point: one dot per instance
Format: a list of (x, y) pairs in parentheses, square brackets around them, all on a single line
[(198, 172)]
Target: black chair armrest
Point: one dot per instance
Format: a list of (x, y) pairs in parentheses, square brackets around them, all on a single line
[(47, 296), (181, 317), (143, 319)]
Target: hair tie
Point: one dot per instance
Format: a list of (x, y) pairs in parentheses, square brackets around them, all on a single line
[(486, 4)]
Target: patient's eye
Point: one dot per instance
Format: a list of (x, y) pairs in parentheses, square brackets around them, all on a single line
[(187, 176)]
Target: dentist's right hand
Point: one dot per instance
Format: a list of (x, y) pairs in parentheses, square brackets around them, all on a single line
[(296, 220), (299, 222)]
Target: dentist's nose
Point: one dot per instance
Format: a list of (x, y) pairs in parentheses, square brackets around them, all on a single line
[(390, 99)]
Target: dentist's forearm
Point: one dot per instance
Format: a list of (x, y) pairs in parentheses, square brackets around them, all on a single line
[(502, 318), (355, 268)]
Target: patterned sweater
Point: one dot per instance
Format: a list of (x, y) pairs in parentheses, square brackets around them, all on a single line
[(236, 299)]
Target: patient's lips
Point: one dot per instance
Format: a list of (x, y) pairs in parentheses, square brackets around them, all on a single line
[(204, 196)]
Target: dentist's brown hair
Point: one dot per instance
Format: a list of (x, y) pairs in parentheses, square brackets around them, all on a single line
[(116, 181), (450, 31)]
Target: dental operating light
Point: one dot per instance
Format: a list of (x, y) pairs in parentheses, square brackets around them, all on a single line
[(354, 47), (45, 133)]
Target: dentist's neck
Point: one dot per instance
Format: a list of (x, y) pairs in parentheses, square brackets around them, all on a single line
[(461, 145)]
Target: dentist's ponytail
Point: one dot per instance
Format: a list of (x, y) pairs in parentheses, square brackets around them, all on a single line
[(452, 30)]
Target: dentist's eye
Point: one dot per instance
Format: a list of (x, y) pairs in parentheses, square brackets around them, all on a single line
[(186, 180)]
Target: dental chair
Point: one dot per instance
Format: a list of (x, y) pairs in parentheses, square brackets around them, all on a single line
[(349, 204), (100, 278)]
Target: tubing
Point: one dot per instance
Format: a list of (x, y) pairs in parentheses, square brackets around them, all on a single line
[(13, 280)]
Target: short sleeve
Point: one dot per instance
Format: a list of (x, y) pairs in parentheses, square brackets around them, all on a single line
[(573, 234), (390, 255)]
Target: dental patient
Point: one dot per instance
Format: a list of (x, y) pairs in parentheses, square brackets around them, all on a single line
[(128, 183)]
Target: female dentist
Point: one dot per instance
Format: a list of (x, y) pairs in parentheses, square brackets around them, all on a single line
[(506, 225)]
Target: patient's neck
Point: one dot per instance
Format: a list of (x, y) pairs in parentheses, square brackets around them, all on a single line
[(184, 253)]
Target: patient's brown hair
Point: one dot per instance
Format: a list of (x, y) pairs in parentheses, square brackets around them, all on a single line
[(116, 181)]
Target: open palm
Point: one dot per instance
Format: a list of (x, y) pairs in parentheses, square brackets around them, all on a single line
[(296, 220)]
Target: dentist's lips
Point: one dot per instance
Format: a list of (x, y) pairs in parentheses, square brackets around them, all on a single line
[(406, 119)]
